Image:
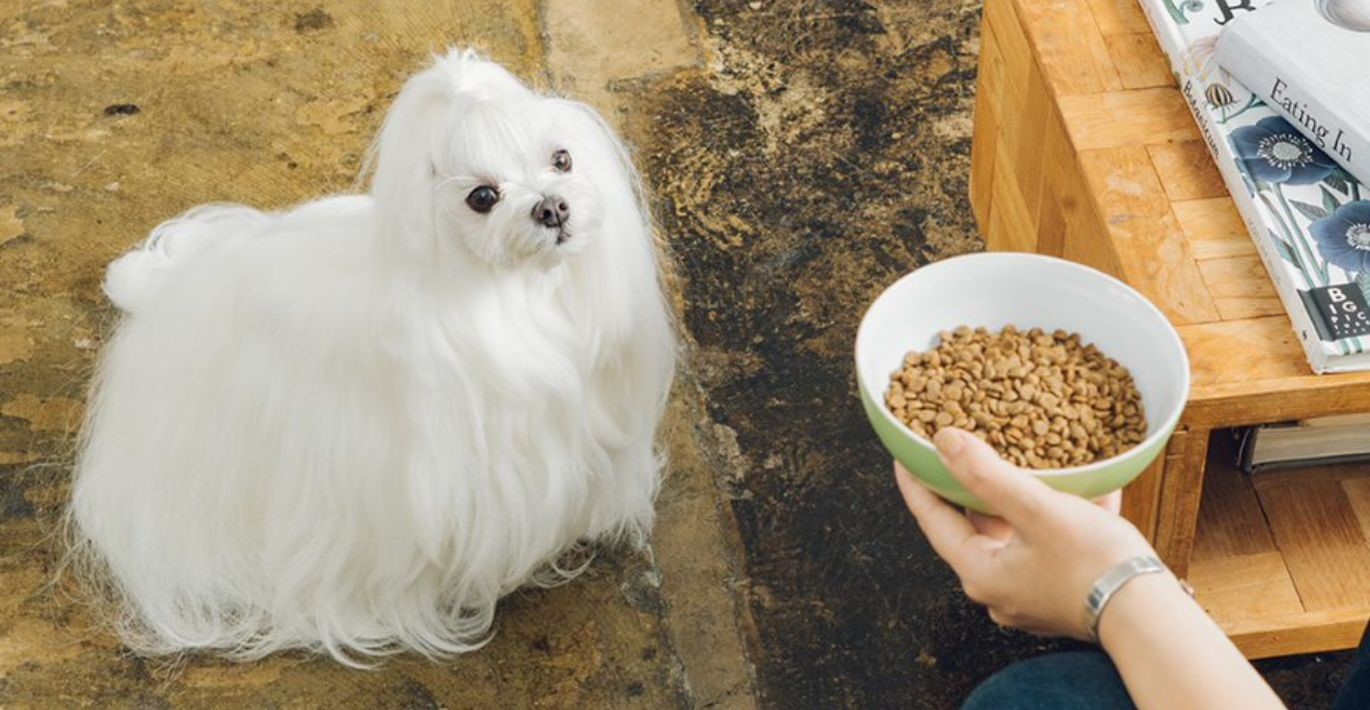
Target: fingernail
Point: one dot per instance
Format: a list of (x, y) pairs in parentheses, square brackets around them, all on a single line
[(948, 441)]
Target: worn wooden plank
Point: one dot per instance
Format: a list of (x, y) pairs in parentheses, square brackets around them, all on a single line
[(1083, 224), (1320, 536), (1187, 171), (1139, 61), (1069, 46), (1268, 348), (1231, 522), (1181, 491), (992, 74), (1011, 227), (1214, 229), (1037, 111), (1245, 403), (1127, 118), (1060, 178), (1306, 632), (1115, 17), (1240, 287), (985, 137), (1051, 222), (1142, 498), (1236, 589), (1358, 492), (1018, 58), (1152, 250)]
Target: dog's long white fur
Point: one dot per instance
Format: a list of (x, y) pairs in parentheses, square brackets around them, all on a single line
[(352, 426)]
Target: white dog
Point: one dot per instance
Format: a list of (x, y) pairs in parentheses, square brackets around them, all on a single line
[(352, 426)]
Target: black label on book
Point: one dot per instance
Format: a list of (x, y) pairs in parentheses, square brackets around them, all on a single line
[(1338, 311)]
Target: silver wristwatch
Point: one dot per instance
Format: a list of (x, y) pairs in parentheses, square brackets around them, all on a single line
[(1110, 582)]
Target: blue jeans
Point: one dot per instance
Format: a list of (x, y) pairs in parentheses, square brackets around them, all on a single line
[(1086, 680)]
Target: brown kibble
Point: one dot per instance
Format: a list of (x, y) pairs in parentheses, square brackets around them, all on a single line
[(1042, 399)]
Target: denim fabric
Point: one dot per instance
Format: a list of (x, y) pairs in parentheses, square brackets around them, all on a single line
[(1087, 680)]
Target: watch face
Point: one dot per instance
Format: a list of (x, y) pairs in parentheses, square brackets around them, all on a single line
[(1353, 15)]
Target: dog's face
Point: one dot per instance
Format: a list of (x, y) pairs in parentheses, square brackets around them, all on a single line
[(515, 182), (469, 156)]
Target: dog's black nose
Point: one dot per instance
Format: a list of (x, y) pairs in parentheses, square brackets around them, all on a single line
[(552, 211)]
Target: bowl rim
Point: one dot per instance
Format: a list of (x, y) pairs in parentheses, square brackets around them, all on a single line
[(1153, 437)]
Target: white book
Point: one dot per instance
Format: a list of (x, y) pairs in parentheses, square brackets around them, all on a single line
[(1308, 60), (1301, 208)]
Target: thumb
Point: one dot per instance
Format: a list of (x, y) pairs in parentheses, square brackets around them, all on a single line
[(1011, 492)]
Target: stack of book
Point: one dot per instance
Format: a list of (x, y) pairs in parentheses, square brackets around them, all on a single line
[(1308, 214), (1314, 441), (1281, 94)]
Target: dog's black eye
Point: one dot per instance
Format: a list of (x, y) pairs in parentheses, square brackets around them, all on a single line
[(482, 199), (561, 160)]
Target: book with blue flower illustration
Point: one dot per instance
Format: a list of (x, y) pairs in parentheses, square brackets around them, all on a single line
[(1309, 218)]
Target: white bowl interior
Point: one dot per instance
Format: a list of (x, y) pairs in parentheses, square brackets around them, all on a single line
[(1026, 290)]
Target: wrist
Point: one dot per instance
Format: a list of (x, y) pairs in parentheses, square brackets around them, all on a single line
[(1139, 605), (1115, 578)]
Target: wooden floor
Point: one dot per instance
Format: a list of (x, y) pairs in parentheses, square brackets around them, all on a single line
[(1283, 554)]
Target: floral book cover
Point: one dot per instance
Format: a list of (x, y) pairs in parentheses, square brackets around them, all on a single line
[(1309, 218)]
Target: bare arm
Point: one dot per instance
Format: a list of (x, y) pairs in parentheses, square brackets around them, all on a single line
[(1171, 654)]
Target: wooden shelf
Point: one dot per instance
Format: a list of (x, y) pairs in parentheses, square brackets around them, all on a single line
[(1084, 149), (1282, 559)]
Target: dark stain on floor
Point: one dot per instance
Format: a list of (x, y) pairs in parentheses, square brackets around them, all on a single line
[(827, 158)]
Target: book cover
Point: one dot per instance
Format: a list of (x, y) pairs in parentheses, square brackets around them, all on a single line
[(1306, 59), (1307, 216)]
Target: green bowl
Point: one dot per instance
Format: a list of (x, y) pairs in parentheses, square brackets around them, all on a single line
[(1028, 291)]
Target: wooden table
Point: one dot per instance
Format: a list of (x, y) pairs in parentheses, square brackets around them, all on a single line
[(1085, 149)]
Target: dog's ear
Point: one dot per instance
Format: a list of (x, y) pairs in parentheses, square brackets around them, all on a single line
[(637, 248), (614, 163), (401, 159)]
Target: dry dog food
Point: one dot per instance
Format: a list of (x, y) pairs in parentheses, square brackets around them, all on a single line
[(1042, 400)]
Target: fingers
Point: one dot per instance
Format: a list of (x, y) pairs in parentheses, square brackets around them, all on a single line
[(1113, 502), (951, 535), (1016, 496), (991, 526)]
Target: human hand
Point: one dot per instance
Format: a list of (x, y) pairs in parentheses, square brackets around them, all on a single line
[(1000, 529), (1034, 567)]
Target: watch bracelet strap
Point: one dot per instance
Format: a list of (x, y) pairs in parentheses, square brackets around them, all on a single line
[(1113, 580)]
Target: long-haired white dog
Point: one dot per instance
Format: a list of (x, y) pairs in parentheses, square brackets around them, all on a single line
[(352, 426)]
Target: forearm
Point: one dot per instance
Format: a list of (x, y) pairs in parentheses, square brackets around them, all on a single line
[(1171, 654)]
